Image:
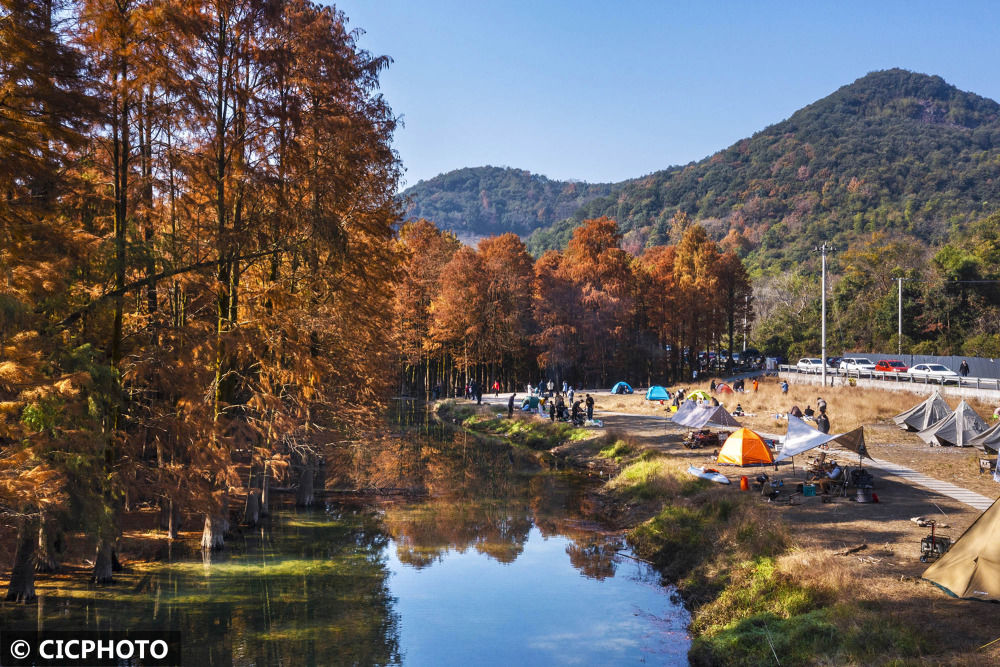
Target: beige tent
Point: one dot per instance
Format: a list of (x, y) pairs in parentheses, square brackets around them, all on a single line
[(957, 429), (920, 416), (971, 568)]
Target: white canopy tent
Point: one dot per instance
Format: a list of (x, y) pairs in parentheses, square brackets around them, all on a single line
[(801, 437), (697, 416)]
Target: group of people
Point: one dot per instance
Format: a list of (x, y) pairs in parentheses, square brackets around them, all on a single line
[(555, 404)]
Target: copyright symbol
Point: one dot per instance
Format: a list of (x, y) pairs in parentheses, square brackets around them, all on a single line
[(20, 649)]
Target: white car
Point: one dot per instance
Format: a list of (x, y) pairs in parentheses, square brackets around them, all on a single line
[(855, 364), (809, 365), (933, 372)]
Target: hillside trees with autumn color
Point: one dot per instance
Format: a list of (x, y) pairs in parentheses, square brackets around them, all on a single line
[(589, 315), (198, 253)]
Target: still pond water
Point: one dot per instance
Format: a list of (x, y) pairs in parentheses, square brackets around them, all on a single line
[(497, 565)]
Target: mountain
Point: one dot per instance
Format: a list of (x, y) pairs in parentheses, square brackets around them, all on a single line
[(483, 201), (895, 151)]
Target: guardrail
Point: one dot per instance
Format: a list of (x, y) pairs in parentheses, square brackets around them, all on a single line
[(972, 383)]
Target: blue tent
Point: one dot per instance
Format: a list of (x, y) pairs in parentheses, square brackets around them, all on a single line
[(621, 388), (657, 393)]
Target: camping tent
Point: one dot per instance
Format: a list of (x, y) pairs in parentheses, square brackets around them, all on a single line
[(699, 393), (988, 440), (697, 416), (854, 441), (657, 393), (744, 447), (971, 568), (920, 416), (621, 388), (801, 437), (956, 429), (723, 388)]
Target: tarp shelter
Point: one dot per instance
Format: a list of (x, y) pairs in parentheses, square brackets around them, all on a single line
[(956, 429), (723, 388), (657, 393), (988, 440), (744, 448), (697, 416), (801, 437), (971, 567), (621, 388), (854, 441), (698, 393), (920, 416)]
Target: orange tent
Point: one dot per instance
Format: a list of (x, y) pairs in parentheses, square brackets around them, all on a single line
[(743, 448), (723, 388)]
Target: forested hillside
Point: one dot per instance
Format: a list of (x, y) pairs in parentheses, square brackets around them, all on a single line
[(482, 201), (894, 151)]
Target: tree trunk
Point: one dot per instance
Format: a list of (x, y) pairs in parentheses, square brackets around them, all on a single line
[(304, 495), (265, 492), (103, 562), (252, 514), (50, 540), (22, 575), (214, 532)]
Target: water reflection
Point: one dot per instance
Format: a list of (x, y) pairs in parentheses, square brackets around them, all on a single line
[(496, 562)]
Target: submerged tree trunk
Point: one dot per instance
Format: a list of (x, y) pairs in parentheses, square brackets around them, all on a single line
[(103, 562), (252, 514), (265, 492), (304, 494), (50, 545), (212, 536), (22, 575)]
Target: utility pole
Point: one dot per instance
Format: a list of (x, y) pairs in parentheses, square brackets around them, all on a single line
[(823, 250), (899, 337), (745, 309)]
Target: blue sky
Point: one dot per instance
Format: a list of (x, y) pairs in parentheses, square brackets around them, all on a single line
[(603, 91)]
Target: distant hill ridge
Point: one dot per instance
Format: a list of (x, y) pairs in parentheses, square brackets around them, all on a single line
[(483, 201), (895, 151)]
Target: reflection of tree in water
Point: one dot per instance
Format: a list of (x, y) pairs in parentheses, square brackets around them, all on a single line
[(595, 555), (312, 590)]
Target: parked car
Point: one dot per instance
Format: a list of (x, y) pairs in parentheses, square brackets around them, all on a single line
[(855, 364), (809, 365), (933, 372), (891, 366)]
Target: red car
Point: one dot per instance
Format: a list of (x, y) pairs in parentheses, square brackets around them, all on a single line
[(891, 366)]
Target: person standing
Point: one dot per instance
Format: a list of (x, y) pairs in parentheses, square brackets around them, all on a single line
[(552, 410), (823, 422), (496, 388), (963, 369), (479, 393), (590, 407), (784, 386), (552, 387), (757, 384), (570, 395), (510, 407), (565, 386), (821, 404)]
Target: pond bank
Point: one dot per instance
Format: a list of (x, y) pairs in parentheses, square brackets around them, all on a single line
[(767, 583)]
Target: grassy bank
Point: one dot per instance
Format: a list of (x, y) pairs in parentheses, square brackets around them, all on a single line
[(755, 597)]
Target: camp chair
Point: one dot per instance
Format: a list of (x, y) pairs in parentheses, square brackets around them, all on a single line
[(987, 465)]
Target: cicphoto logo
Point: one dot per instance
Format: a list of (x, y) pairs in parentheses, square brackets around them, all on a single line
[(90, 648)]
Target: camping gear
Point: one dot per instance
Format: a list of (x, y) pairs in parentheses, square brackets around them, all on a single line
[(854, 441), (693, 415), (970, 568), (933, 546), (920, 416), (621, 388), (988, 440), (801, 437), (863, 494), (809, 490), (657, 393), (703, 438), (708, 473), (723, 388), (744, 447), (957, 429), (699, 394), (744, 483)]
